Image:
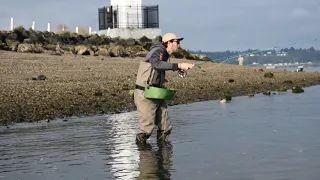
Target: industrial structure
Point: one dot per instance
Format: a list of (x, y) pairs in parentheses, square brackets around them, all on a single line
[(129, 19)]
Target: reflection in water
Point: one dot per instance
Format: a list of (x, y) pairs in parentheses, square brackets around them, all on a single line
[(122, 147), (155, 164), (131, 161)]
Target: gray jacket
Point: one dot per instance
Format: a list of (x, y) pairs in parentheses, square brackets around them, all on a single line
[(152, 69)]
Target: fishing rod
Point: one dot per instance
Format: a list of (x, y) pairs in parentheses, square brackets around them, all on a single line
[(183, 73)]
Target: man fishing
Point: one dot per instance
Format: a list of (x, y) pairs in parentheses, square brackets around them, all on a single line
[(151, 72)]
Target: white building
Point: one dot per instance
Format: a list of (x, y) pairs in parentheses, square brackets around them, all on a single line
[(129, 13), (129, 19)]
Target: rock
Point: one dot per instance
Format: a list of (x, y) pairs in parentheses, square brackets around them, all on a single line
[(30, 48), (42, 77), (45, 41), (204, 58), (82, 50), (178, 54), (102, 52), (117, 51), (3, 46), (13, 36), (12, 44), (141, 54), (297, 90), (133, 50), (288, 82), (50, 47), (104, 46), (145, 42), (130, 42), (97, 93), (53, 39), (182, 53), (282, 89), (115, 41), (268, 75), (94, 40), (39, 77), (2, 37), (268, 93), (228, 98), (68, 48)]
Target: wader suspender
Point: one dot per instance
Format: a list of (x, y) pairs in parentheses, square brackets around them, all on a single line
[(149, 55)]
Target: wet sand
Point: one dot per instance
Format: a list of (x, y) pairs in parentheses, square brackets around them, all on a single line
[(90, 85)]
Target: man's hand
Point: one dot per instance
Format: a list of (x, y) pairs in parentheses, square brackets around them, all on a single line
[(185, 66)]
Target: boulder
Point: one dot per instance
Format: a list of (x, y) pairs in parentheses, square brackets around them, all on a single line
[(30, 48), (133, 50), (94, 40), (141, 53), (268, 75), (12, 44), (130, 42), (297, 90), (117, 51), (82, 50), (102, 52), (145, 42)]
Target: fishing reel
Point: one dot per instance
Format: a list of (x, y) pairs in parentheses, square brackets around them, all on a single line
[(182, 73)]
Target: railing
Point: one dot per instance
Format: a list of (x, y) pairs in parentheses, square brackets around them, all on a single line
[(129, 17)]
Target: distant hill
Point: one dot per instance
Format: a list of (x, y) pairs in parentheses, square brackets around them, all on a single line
[(287, 55)]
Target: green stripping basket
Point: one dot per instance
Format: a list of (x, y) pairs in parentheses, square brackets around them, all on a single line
[(151, 92)]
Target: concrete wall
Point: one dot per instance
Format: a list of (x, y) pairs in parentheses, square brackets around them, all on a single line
[(132, 33)]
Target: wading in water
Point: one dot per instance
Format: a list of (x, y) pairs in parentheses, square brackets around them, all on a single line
[(150, 95)]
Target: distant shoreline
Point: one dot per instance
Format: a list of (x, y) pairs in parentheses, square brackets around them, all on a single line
[(75, 85)]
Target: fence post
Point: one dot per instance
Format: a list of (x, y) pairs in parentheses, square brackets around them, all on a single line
[(11, 24), (108, 32), (33, 25), (48, 28)]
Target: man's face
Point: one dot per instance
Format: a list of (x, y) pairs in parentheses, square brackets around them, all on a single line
[(175, 45)]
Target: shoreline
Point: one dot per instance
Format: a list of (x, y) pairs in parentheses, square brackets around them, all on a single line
[(93, 85)]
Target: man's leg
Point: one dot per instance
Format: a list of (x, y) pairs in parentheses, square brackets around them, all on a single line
[(163, 122), (146, 110)]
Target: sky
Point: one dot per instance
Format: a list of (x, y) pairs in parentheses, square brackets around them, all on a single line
[(206, 25)]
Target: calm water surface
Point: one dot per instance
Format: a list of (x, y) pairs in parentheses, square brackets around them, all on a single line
[(261, 138)]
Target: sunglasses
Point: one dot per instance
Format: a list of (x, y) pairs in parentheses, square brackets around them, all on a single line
[(178, 42)]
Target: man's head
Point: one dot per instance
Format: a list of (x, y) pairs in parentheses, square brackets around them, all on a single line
[(171, 42)]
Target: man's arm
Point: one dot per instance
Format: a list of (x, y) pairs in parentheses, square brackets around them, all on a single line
[(157, 64)]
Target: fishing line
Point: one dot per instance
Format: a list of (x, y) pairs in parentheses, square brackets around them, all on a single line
[(183, 73)]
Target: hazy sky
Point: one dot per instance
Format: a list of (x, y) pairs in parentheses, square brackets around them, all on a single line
[(209, 25)]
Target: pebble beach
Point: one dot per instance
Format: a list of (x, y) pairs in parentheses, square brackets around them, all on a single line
[(37, 87)]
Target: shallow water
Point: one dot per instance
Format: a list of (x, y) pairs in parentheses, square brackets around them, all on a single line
[(274, 137)]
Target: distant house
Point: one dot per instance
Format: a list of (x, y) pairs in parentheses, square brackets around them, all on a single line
[(129, 19)]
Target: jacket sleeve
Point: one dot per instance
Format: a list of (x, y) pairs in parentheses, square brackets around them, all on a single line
[(158, 64)]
